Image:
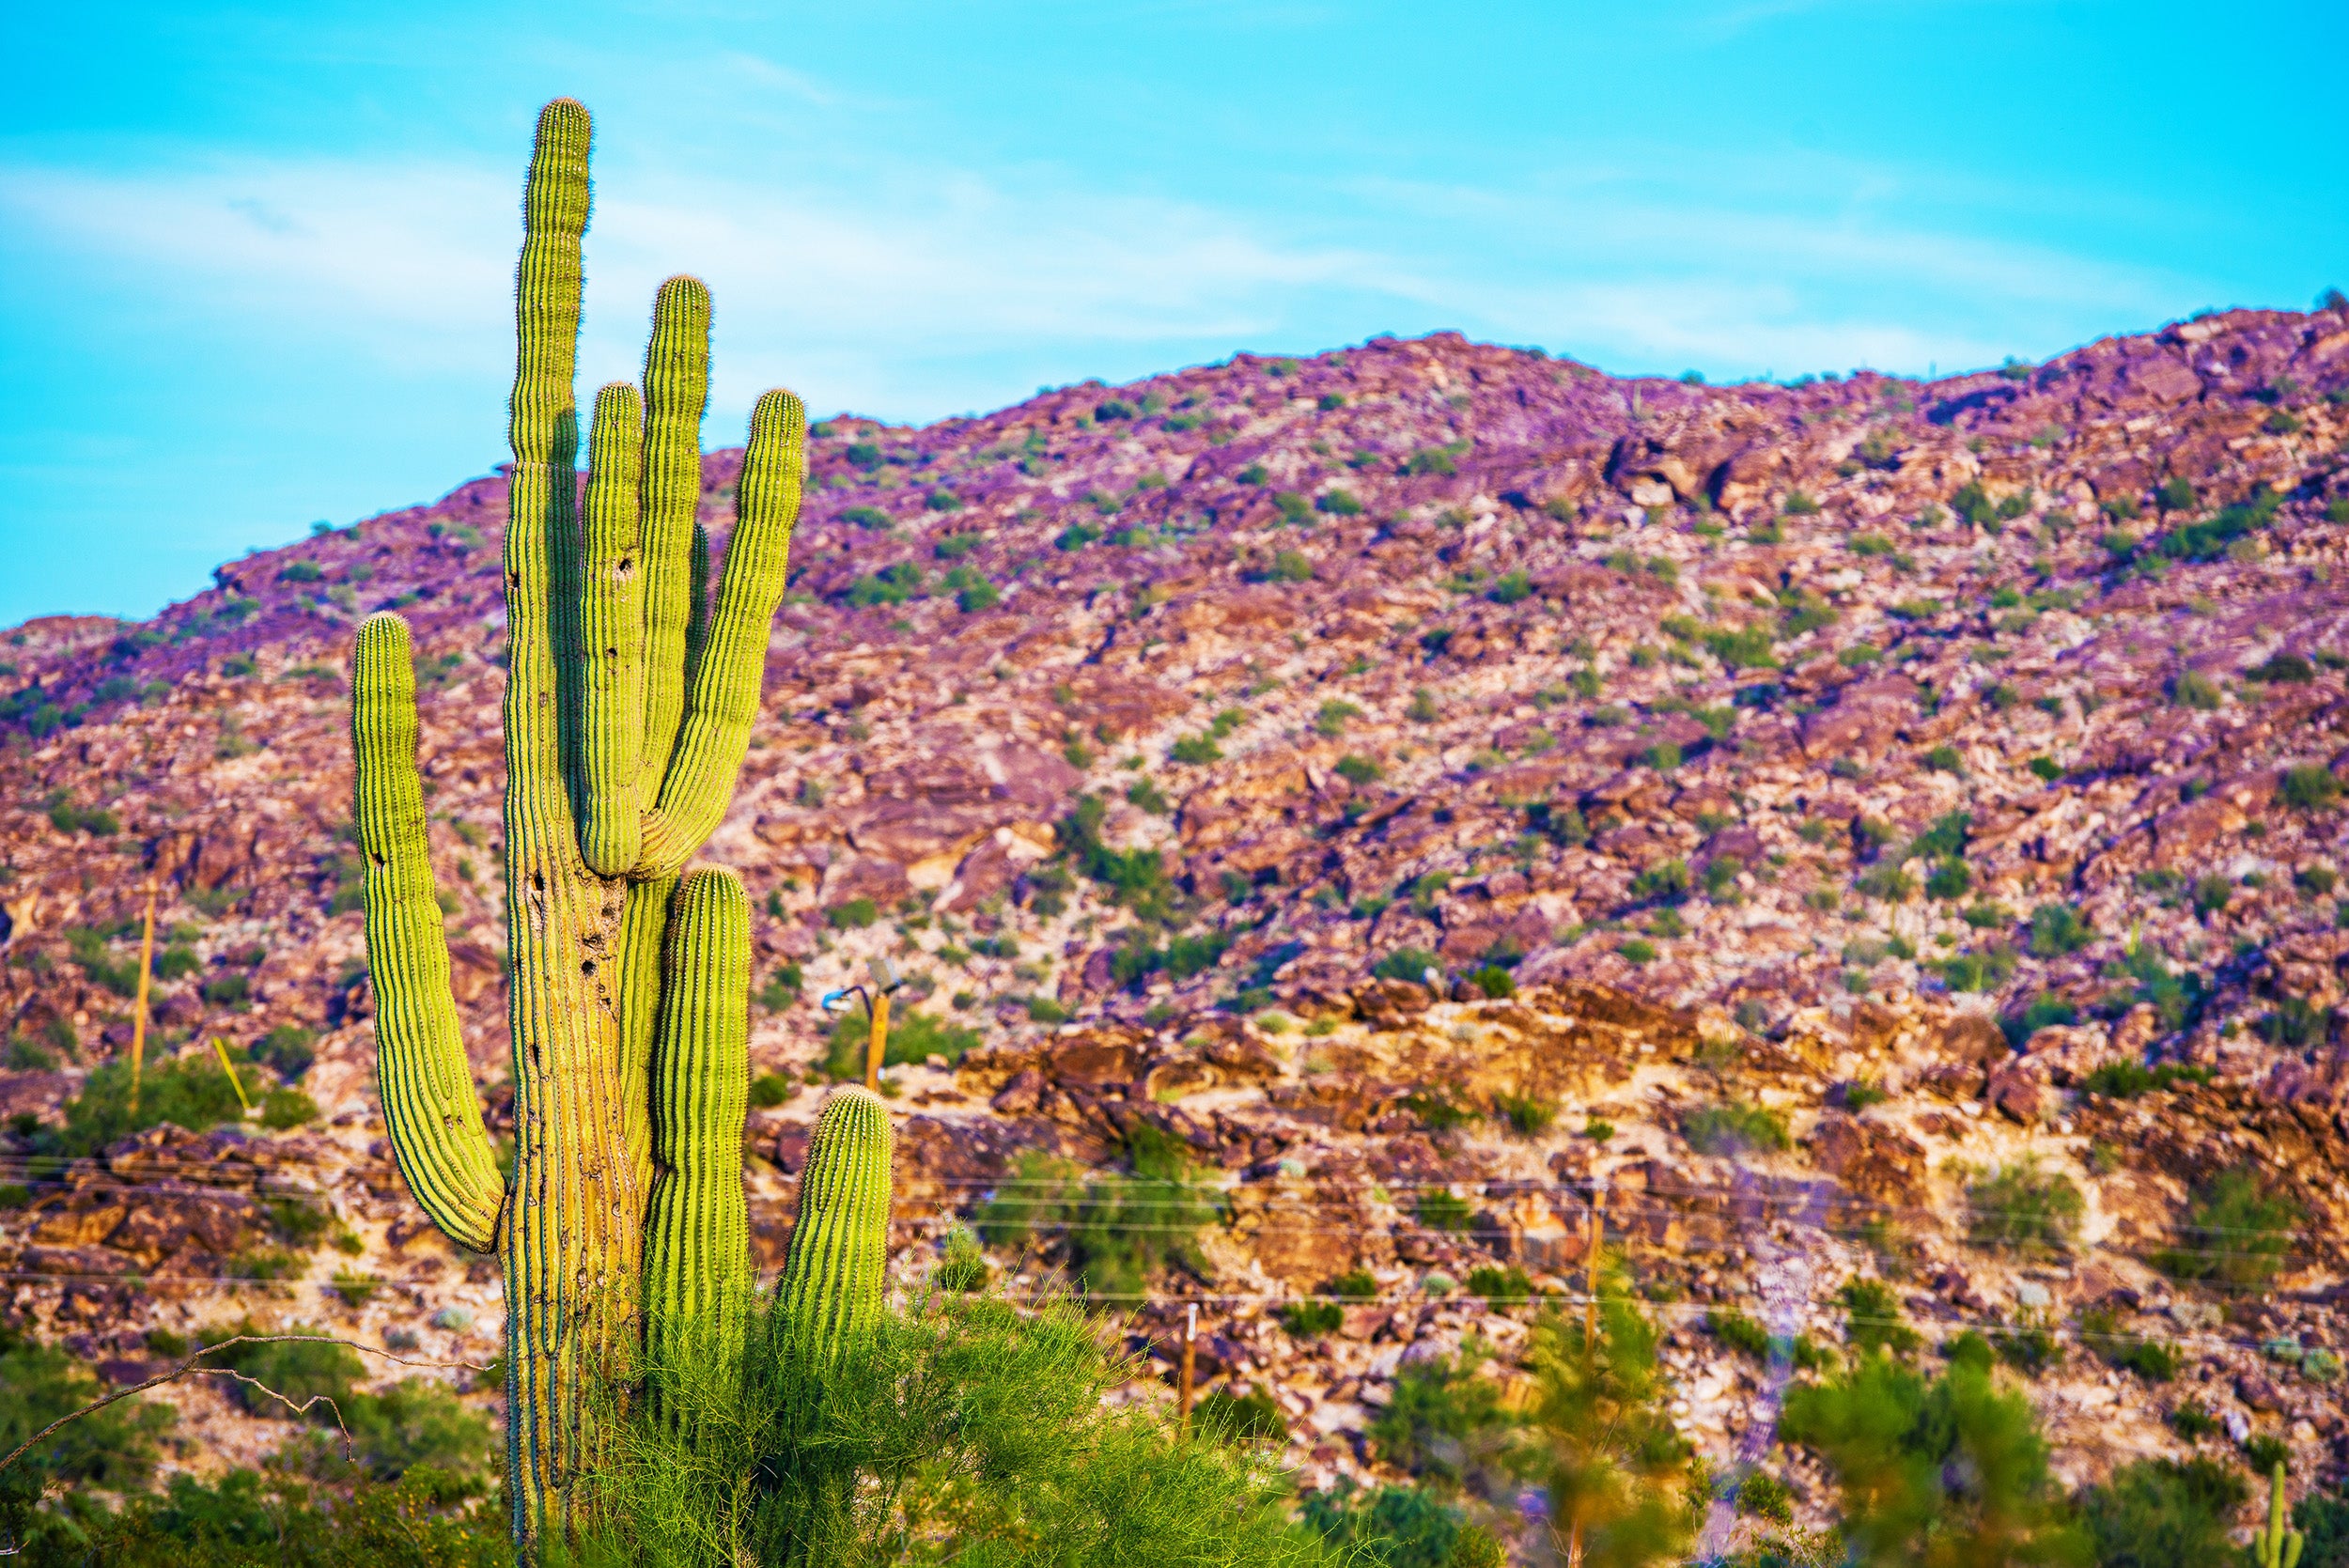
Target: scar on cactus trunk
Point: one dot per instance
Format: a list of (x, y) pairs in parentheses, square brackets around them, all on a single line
[(629, 705)]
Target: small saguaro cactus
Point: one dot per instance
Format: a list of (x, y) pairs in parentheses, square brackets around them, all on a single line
[(628, 709), (831, 1290), (2275, 1547)]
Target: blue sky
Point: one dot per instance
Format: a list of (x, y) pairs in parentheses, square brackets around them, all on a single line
[(257, 260)]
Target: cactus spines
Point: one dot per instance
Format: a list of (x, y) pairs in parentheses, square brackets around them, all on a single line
[(2276, 1546), (831, 1292), (626, 723), (697, 1259)]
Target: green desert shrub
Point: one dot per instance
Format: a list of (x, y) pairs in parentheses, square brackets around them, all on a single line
[(1445, 1423), (966, 1430), (1114, 1231), (1949, 1469), (1503, 1287), (192, 1093), (416, 1423), (1441, 1209), (287, 1050), (2055, 930), (2308, 787), (963, 1265), (913, 1036), (1599, 1440), (281, 1109), (1253, 1417), (246, 1518), (2024, 1208), (1496, 982), (2323, 1519), (2125, 1080), (114, 1449), (1738, 1332), (1873, 1320), (2163, 1514), (1529, 1115), (1407, 963), (1136, 879), (2154, 1359), (1310, 1319), (1732, 1128), (2237, 1232), (1398, 1526)]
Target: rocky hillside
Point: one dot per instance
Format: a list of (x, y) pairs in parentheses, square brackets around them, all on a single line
[(1437, 784)]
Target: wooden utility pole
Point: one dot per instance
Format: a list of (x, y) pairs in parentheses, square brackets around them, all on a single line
[(138, 1021), (878, 1050), (884, 977), (1191, 1360), (1590, 1336), (1590, 1270)]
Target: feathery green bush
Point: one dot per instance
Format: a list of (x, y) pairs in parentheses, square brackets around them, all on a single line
[(2163, 1513), (1951, 1469), (2237, 1234), (1599, 1440), (962, 1430), (1114, 1231)]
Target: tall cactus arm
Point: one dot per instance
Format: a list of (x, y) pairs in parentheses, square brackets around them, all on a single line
[(728, 676), (612, 637), (422, 1072), (673, 578), (831, 1289), (676, 393), (543, 426), (697, 1261)]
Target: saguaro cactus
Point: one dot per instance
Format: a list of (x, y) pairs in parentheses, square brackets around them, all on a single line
[(627, 708), (831, 1289), (2275, 1545)]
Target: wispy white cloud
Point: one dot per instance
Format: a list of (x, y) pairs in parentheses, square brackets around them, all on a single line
[(910, 290), (415, 262)]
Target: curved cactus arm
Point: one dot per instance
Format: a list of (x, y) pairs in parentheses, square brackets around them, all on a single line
[(731, 670), (612, 637), (831, 1289), (677, 394), (697, 1259), (422, 1073)]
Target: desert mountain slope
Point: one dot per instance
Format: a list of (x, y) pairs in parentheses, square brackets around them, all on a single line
[(1885, 756)]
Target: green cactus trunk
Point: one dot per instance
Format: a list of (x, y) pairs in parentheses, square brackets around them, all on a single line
[(831, 1292), (697, 1268), (830, 1296), (2275, 1545), (629, 706)]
